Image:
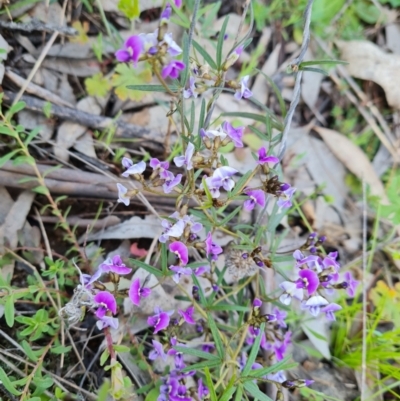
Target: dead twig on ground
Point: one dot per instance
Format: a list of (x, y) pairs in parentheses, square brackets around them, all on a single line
[(89, 120), (36, 25)]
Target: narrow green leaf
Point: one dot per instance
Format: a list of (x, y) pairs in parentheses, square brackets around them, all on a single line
[(15, 109), (318, 70), (228, 393), (254, 351), (41, 190), (230, 216), (197, 353), (239, 185), (323, 62), (202, 365), (203, 299), (152, 88), (281, 365), (185, 59), (60, 349), (192, 117), (216, 336), (7, 383), (104, 356), (221, 306), (9, 310), (253, 389), (121, 348), (147, 267), (207, 58), (210, 385), (4, 159), (7, 131), (221, 41), (28, 351), (239, 394)]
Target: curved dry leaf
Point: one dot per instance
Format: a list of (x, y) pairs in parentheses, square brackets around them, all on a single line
[(353, 158), (368, 61)]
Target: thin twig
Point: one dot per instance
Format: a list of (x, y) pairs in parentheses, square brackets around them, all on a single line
[(364, 298), (36, 25), (297, 87)]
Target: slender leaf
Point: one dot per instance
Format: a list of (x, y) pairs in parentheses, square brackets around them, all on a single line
[(9, 311), (221, 306), (220, 42), (253, 389), (281, 365), (202, 365), (197, 353), (318, 70), (147, 267), (207, 58), (7, 131), (6, 382), (230, 216), (239, 394), (192, 117), (28, 351), (8, 156), (203, 299), (185, 58), (216, 336), (15, 108), (152, 88), (254, 351), (323, 62), (210, 384), (240, 183)]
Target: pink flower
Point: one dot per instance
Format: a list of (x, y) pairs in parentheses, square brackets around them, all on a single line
[(180, 250), (160, 320), (172, 69), (136, 292), (131, 51)]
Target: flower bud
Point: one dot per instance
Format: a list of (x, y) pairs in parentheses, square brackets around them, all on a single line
[(114, 277), (299, 383), (99, 286), (232, 58)]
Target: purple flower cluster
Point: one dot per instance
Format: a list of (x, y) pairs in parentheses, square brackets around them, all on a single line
[(316, 274), (154, 46)]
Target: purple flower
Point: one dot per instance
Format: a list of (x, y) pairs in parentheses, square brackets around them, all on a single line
[(157, 352), (291, 291), (213, 185), (202, 390), (105, 302), (149, 42), (178, 356), (263, 158), (212, 249), (285, 197), (161, 167), (122, 195), (175, 230), (201, 270), (280, 347), (87, 280), (308, 280), (171, 182), (166, 14), (235, 134), (160, 320), (213, 133), (114, 265), (195, 227), (180, 250), (280, 317), (244, 91), (136, 292), (172, 69), (107, 321), (233, 57), (187, 159), (311, 261), (173, 48), (351, 284), (188, 315), (132, 169), (224, 174), (257, 303), (131, 51), (257, 197), (178, 3), (180, 271), (330, 309), (191, 91), (314, 304)]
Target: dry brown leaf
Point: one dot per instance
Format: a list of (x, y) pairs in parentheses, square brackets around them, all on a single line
[(353, 158), (368, 61)]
